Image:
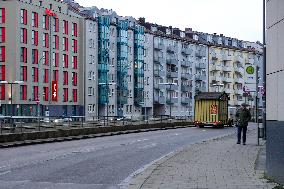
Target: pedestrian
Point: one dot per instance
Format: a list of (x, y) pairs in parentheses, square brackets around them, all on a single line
[(243, 116)]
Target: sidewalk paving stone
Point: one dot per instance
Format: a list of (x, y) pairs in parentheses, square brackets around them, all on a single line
[(215, 164)]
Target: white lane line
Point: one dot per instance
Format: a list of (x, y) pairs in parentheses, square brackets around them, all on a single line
[(4, 173), (148, 146)]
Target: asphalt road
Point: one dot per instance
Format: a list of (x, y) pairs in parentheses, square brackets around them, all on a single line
[(106, 162)]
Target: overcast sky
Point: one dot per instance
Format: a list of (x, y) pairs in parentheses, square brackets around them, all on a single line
[(241, 19)]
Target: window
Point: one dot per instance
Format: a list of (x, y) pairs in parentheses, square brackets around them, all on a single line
[(55, 57), (23, 92), (90, 74), (24, 16), (74, 29), (65, 61), (40, 3), (65, 78), (45, 40), (35, 74), (2, 54), (45, 58), (23, 54), (90, 108), (75, 45), (55, 75), (55, 42), (24, 35), (65, 94), (2, 35), (75, 96), (35, 92), (90, 91), (2, 73), (2, 92), (65, 44), (35, 38), (45, 93), (2, 15), (65, 27), (23, 73), (75, 62), (74, 78), (34, 19), (45, 22), (56, 25), (45, 76)]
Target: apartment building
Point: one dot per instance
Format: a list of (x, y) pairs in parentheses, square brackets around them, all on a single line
[(39, 58), (178, 68), (275, 89)]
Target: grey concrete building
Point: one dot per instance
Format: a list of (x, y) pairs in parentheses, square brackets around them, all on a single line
[(275, 89), (40, 50)]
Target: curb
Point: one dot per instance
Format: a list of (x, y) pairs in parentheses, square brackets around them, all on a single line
[(71, 138)]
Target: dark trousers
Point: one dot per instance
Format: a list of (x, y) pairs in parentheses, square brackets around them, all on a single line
[(244, 129)]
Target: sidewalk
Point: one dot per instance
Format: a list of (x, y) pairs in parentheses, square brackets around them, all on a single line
[(215, 164)]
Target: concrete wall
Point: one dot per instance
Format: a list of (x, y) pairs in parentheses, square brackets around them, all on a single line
[(275, 89)]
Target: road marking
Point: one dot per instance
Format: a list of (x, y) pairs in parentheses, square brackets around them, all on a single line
[(4, 173), (203, 130), (148, 146)]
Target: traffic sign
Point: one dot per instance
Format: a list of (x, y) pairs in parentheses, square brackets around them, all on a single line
[(250, 70)]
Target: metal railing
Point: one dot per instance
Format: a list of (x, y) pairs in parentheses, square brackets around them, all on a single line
[(24, 124)]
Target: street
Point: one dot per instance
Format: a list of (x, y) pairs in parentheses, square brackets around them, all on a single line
[(106, 162)]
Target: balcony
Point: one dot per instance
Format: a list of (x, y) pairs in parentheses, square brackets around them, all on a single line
[(216, 67), (159, 86), (186, 88), (239, 69), (229, 91), (159, 100), (172, 49), (201, 88), (185, 100), (239, 91), (227, 80), (227, 69), (239, 80), (239, 59), (186, 63), (159, 73), (172, 100), (227, 57), (186, 76), (171, 87), (186, 51), (172, 74), (159, 59), (159, 46), (201, 66), (172, 61), (214, 56), (200, 77), (200, 53), (216, 78)]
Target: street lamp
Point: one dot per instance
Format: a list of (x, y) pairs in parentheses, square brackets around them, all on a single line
[(170, 84), (107, 84), (11, 88)]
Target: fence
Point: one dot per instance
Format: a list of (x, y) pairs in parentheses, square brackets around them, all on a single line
[(24, 124)]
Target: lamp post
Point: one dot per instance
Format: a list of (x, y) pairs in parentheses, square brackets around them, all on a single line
[(170, 84), (107, 84)]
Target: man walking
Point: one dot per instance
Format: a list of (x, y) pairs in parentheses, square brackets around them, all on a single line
[(243, 116)]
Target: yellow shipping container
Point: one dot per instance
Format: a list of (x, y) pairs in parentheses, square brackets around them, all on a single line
[(211, 108)]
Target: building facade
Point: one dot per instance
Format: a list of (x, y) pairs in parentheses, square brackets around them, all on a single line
[(40, 49), (275, 89)]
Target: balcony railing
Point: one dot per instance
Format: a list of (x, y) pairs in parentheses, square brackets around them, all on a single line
[(159, 60), (172, 74), (216, 78), (185, 100), (200, 53), (229, 91), (227, 69), (171, 87), (186, 88), (159, 46), (186, 63), (239, 69), (172, 49), (200, 77), (214, 56), (159, 73), (239, 80), (186, 51), (159, 86), (172, 61), (216, 67), (159, 100), (172, 100), (186, 76), (227, 79), (239, 91), (227, 57), (201, 65)]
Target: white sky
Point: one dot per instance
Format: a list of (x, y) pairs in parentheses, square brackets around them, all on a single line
[(241, 19)]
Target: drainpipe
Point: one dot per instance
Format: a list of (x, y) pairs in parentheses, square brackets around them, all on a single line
[(264, 69)]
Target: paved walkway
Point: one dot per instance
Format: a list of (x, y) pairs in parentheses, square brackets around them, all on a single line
[(216, 164)]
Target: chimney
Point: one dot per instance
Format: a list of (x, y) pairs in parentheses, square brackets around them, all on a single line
[(142, 20), (221, 35), (188, 30), (176, 31)]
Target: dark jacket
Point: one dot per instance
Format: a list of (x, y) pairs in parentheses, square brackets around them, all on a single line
[(243, 116)]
